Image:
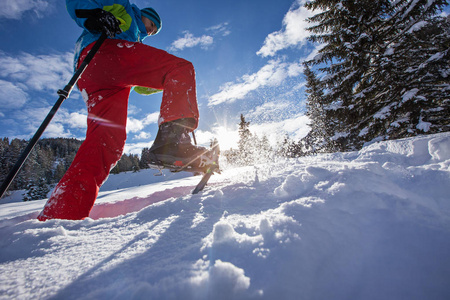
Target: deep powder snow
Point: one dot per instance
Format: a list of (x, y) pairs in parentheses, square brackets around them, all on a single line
[(372, 224)]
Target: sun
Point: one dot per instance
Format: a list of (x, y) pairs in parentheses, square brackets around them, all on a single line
[(227, 138)]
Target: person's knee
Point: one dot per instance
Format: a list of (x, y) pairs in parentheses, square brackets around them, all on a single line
[(184, 64)]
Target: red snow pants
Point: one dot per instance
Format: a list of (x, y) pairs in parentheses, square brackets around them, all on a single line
[(105, 85)]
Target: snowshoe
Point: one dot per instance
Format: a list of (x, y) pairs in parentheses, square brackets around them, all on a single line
[(172, 149), (199, 163)]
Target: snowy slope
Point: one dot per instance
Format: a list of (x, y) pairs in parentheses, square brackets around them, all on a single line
[(373, 224)]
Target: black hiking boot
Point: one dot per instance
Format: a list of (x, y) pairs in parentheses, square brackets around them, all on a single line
[(173, 149)]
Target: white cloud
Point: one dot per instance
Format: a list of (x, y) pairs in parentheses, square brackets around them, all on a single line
[(11, 96), (204, 41), (272, 74), (151, 118), (40, 73), (55, 130), (190, 41), (275, 129), (292, 34), (220, 29), (31, 118), (296, 127), (135, 125), (74, 120), (133, 109), (273, 120), (23, 73), (143, 135), (13, 9), (270, 111), (136, 148)]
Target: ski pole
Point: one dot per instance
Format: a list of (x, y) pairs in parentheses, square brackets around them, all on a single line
[(63, 95)]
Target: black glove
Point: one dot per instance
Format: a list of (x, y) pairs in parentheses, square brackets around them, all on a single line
[(99, 20)]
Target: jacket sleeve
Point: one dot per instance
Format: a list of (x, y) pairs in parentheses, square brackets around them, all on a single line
[(73, 5)]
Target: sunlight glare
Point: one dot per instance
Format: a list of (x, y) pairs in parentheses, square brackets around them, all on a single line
[(227, 138)]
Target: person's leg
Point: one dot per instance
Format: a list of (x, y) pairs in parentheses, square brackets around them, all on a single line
[(136, 64), (151, 67), (106, 83), (176, 76), (75, 194)]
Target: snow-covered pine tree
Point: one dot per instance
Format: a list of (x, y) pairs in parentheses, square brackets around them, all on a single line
[(283, 146), (318, 139), (36, 190), (245, 142), (60, 170), (369, 88), (265, 151), (49, 159), (289, 148), (8, 159), (417, 68), (4, 162), (128, 162), (33, 170)]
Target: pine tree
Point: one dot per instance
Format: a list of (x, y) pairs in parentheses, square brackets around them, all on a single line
[(245, 142), (232, 156), (319, 138), (372, 55), (283, 147), (36, 190), (12, 154), (4, 164), (59, 171), (128, 162), (290, 149), (145, 158), (417, 100), (43, 162), (135, 163), (265, 151)]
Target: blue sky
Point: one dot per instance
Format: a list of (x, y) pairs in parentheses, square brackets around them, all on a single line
[(247, 55)]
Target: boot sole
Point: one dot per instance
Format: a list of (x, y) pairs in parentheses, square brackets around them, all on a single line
[(199, 163)]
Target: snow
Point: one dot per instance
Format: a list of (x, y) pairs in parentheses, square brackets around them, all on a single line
[(409, 94), (418, 26), (372, 224), (384, 112), (389, 51), (364, 131), (424, 126), (437, 56)]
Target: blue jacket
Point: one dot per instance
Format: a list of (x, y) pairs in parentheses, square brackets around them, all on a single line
[(133, 29)]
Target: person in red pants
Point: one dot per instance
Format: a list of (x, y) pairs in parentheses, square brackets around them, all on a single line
[(122, 63)]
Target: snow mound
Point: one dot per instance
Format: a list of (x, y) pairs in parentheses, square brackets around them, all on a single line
[(371, 224)]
